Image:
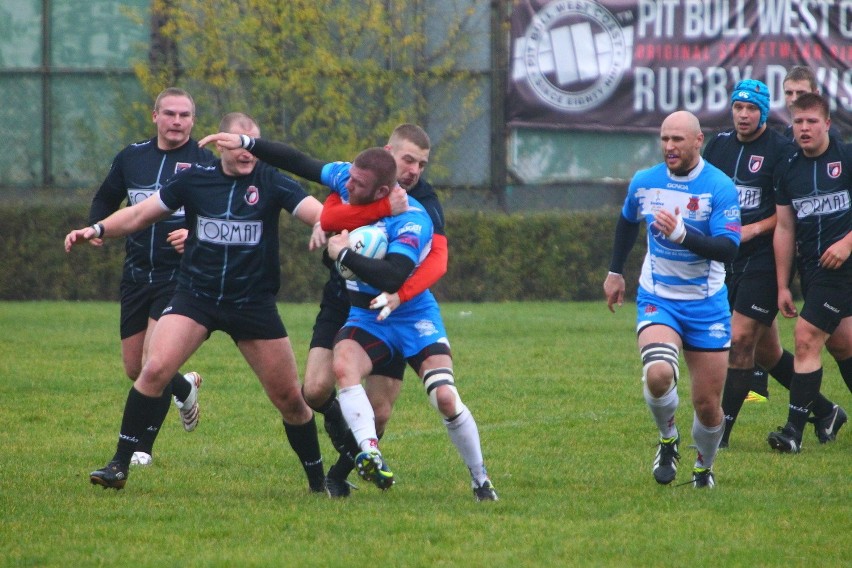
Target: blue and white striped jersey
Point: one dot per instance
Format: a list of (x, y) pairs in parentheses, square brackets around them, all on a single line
[(708, 202)]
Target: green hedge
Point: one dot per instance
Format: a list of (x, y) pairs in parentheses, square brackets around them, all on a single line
[(493, 257)]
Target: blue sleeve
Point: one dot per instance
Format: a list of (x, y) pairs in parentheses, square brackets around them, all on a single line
[(725, 217), (630, 210), (409, 233), (334, 176)]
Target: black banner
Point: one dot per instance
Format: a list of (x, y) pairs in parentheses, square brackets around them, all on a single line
[(625, 65)]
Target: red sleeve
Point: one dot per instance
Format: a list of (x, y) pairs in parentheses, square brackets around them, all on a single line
[(433, 267), (337, 215)]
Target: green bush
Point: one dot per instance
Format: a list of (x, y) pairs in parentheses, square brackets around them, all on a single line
[(493, 257)]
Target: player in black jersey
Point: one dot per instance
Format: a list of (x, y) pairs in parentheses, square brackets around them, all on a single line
[(753, 155), (228, 280), (151, 263), (814, 204)]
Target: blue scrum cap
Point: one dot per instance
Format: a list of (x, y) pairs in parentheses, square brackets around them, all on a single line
[(754, 92)]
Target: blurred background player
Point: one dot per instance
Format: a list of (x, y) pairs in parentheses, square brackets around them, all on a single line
[(692, 213), (151, 262), (814, 205), (800, 79)]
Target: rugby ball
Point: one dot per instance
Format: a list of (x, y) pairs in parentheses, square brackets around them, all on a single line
[(369, 241)]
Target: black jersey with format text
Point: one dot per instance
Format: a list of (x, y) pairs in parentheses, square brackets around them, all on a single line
[(753, 166), (137, 172), (231, 253), (819, 190)]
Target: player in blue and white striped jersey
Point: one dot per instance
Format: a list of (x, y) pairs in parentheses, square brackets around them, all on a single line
[(692, 215)]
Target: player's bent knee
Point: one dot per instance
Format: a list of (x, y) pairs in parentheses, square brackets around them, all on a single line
[(440, 385), (660, 362)]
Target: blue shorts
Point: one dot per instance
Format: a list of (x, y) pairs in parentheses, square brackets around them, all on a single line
[(407, 332), (703, 325)]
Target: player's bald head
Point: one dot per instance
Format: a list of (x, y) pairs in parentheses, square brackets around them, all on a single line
[(683, 121)]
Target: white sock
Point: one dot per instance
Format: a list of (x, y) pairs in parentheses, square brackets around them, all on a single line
[(663, 410), (465, 437), (359, 415), (706, 441)]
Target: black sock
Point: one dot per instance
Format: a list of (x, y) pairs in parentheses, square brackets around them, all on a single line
[(783, 369), (303, 439), (760, 382), (325, 406), (180, 387), (343, 467), (138, 411), (845, 367), (338, 429), (803, 391), (146, 440), (737, 385)]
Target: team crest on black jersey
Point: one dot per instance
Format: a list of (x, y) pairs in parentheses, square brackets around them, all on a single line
[(180, 166), (835, 169), (755, 163), (252, 195)]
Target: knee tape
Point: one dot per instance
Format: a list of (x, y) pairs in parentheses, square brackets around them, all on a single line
[(442, 376), (660, 352)]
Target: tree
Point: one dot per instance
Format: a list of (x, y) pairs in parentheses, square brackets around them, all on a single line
[(330, 76)]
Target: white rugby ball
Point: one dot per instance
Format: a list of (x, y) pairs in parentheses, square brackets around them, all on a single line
[(369, 241)]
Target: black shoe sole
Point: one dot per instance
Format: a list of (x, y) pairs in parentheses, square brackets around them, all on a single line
[(117, 485), (780, 445)]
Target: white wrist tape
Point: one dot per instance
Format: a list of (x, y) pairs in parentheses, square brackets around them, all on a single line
[(679, 232)]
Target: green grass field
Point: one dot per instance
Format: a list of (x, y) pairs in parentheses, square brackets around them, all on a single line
[(555, 388)]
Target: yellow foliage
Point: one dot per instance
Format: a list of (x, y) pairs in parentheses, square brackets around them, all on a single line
[(329, 76)]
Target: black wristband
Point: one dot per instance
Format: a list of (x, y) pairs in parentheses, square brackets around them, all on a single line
[(99, 230), (342, 254)]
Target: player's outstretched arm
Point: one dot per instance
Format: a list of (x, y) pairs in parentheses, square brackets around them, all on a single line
[(122, 222), (226, 140)]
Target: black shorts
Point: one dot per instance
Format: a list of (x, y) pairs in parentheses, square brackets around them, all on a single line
[(754, 294), (828, 299), (334, 309), (141, 302), (255, 320)]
